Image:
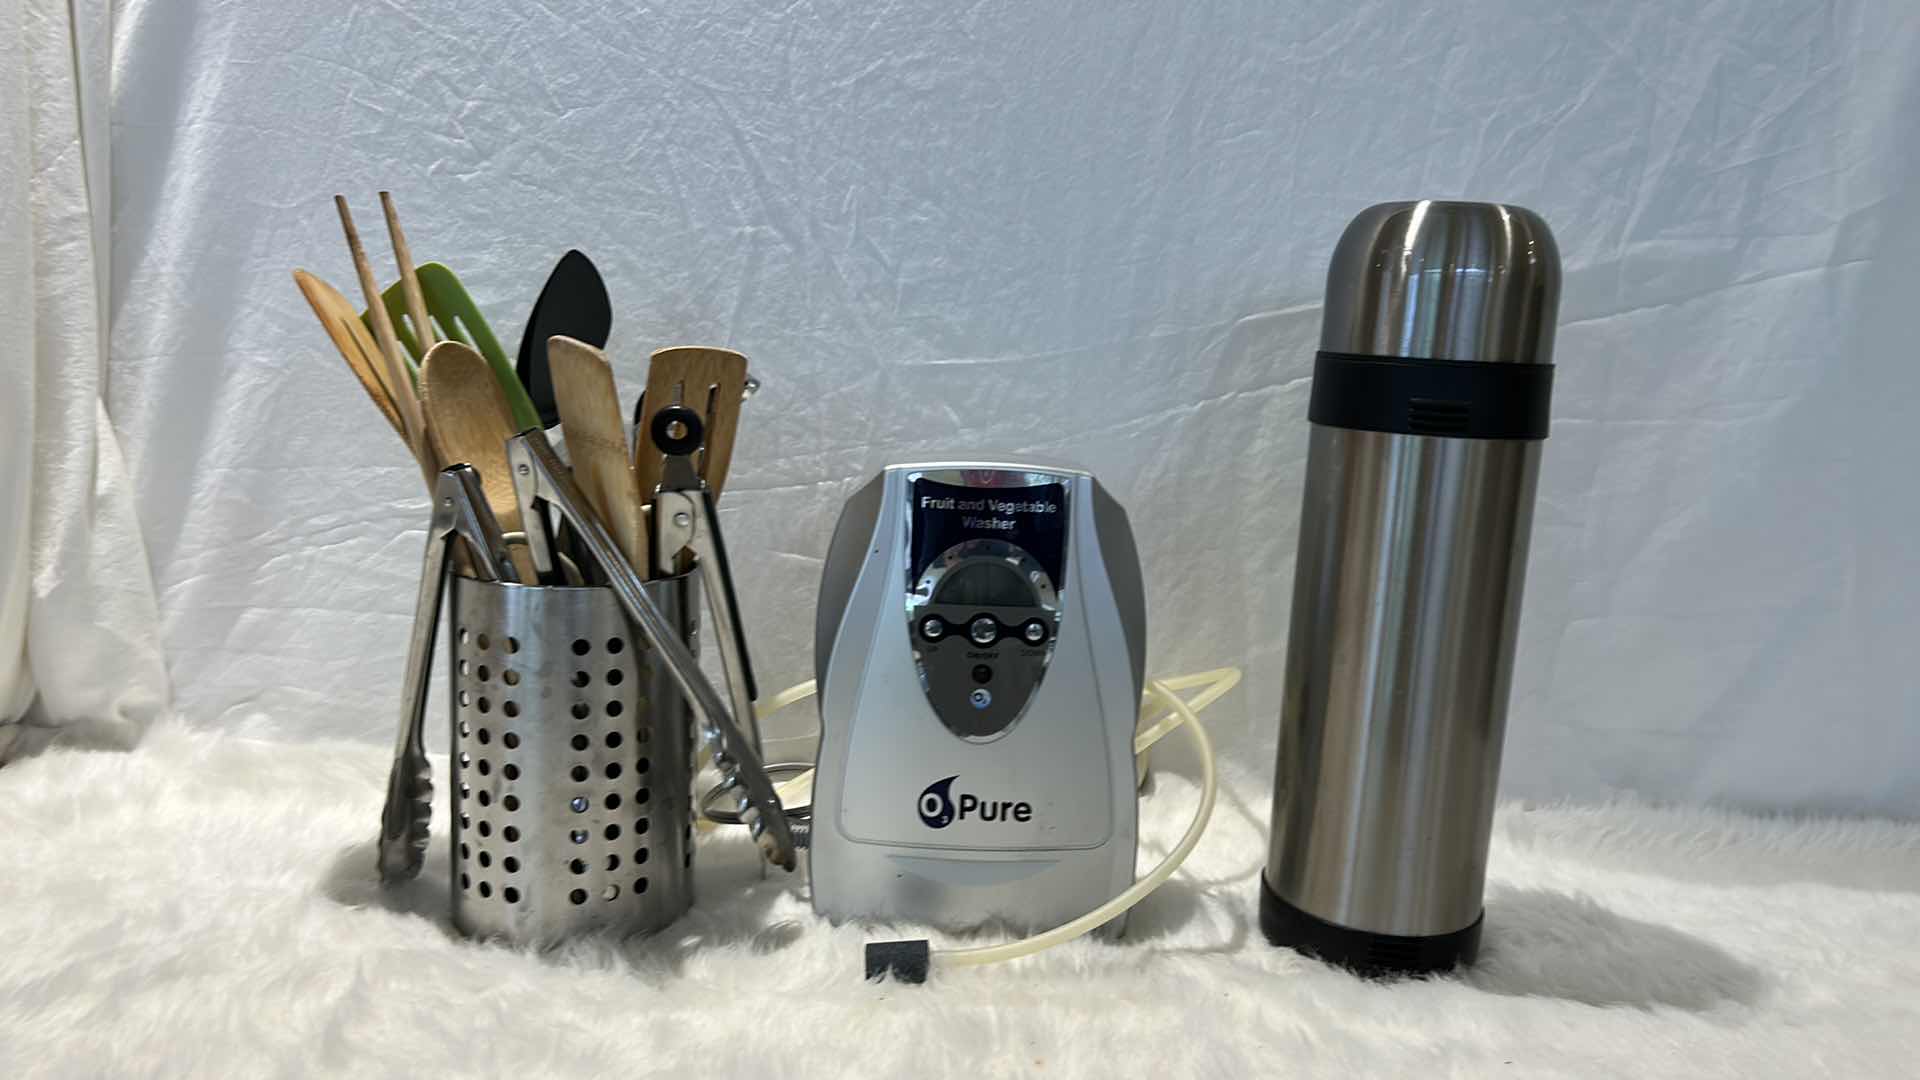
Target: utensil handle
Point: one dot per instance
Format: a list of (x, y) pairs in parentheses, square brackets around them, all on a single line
[(541, 475)]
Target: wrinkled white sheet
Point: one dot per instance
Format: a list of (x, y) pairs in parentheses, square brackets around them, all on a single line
[(79, 631), (1088, 230)]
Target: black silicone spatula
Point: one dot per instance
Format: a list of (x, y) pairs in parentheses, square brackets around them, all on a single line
[(573, 304)]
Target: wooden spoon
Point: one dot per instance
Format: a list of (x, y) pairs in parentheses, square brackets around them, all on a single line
[(711, 382), (470, 423), (589, 407)]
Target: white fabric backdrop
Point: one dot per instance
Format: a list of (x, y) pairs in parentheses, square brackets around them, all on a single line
[(79, 630), (1088, 230)]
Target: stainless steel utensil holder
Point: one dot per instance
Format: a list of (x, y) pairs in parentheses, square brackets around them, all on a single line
[(573, 756)]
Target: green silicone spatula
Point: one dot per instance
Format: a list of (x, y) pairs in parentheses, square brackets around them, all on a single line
[(457, 318)]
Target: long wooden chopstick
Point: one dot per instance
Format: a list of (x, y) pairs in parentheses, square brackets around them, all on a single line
[(399, 379)]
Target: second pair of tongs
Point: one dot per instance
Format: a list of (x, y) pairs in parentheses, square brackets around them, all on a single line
[(460, 512), (541, 480)]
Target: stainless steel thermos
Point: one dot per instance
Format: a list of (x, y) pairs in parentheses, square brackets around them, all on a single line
[(1429, 404)]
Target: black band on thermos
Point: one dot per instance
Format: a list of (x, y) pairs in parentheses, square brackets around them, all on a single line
[(1459, 399)]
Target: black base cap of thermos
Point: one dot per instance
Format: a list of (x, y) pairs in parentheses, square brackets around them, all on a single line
[(1362, 951)]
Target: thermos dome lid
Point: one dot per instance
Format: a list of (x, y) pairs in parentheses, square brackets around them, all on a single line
[(1444, 281)]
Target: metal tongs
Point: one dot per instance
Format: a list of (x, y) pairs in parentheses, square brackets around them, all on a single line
[(685, 522), (459, 510), (539, 477)]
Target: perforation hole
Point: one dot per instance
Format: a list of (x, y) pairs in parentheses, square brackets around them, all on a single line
[(485, 767), (481, 641), (581, 678), (510, 708), (485, 736), (613, 832), (465, 821), (613, 862), (640, 825), (510, 677), (465, 760), (578, 836), (640, 855), (643, 796), (581, 710), (486, 859), (615, 677), (613, 800), (483, 705), (511, 802), (614, 645), (610, 893), (513, 644), (580, 742), (486, 889), (580, 774), (639, 885), (465, 852), (511, 772), (510, 894), (466, 882), (581, 646), (510, 864), (465, 729), (613, 770), (614, 708), (512, 740), (643, 764), (613, 739), (486, 829), (463, 667), (578, 896), (578, 866), (512, 834), (465, 700), (486, 799), (463, 635), (483, 673)]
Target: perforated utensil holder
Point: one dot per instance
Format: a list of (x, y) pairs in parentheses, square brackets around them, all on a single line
[(572, 763)]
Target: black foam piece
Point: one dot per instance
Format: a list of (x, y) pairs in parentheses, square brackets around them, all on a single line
[(903, 961)]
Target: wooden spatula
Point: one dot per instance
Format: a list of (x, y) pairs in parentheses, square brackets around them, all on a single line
[(471, 423), (589, 406), (357, 347), (711, 382), (362, 354)]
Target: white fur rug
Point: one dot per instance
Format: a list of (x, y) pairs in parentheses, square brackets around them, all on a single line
[(205, 906)]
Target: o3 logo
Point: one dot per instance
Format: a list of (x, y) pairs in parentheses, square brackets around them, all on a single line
[(936, 804), (938, 809)]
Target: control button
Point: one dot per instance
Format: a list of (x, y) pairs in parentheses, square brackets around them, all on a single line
[(980, 698), (933, 628), (982, 673), (984, 630), (1034, 631)]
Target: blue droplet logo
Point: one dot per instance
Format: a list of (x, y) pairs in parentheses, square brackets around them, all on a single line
[(936, 805)]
